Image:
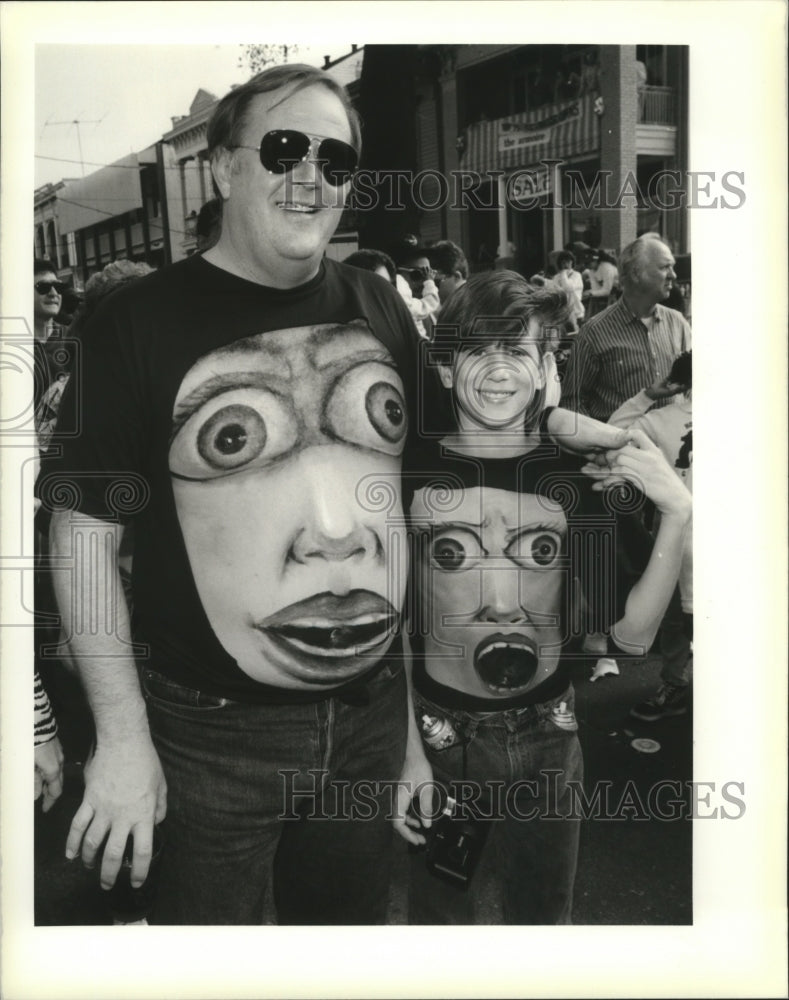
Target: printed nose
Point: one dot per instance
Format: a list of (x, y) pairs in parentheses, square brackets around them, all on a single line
[(334, 529), (333, 546), (500, 598)]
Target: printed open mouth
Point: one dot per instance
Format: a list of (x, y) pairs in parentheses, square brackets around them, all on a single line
[(337, 639), (330, 627), (506, 663)]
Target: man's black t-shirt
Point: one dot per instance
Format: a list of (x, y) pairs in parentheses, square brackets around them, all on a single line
[(140, 351)]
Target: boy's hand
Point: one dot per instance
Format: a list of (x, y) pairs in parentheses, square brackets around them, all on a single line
[(641, 463)]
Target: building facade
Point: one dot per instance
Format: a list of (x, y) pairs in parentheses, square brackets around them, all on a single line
[(539, 146), (144, 206)]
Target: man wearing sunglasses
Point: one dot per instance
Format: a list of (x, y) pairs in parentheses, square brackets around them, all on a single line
[(246, 408), (47, 298)]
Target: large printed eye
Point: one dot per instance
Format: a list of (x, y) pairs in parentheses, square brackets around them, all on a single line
[(535, 549), (233, 430), (234, 436), (365, 407), (455, 549)]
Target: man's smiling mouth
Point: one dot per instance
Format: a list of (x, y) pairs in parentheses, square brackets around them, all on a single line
[(297, 206)]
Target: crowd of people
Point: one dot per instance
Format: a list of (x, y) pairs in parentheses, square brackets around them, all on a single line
[(354, 499)]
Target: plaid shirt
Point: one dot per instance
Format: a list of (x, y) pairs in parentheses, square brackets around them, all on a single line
[(615, 356)]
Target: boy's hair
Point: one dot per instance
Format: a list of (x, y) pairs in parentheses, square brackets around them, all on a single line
[(447, 257), (371, 260), (565, 256), (495, 307), (682, 370)]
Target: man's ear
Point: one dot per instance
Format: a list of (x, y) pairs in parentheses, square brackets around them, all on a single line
[(446, 374), (222, 168)]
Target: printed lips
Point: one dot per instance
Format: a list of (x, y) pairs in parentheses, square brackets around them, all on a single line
[(328, 627), (506, 663)]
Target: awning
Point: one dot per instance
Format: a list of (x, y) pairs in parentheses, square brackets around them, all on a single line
[(106, 193), (552, 132)]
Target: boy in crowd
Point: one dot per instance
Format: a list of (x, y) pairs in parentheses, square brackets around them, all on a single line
[(510, 538)]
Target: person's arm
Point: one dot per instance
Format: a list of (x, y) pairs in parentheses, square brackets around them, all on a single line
[(641, 462), (633, 409), (582, 370), (48, 753), (125, 789), (417, 774), (428, 304)]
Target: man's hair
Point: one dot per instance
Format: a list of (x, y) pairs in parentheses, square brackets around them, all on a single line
[(41, 265), (371, 260), (402, 252), (229, 117), (447, 257), (682, 370), (632, 255), (495, 307), (565, 255)]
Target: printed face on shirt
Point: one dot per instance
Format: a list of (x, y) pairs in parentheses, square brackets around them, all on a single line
[(495, 383), (491, 579), (282, 446), (656, 270)]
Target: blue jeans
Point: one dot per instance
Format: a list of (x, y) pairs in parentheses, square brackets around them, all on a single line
[(249, 790), (531, 855)]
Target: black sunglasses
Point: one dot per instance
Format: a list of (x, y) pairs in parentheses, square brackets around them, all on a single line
[(283, 149), (44, 287)]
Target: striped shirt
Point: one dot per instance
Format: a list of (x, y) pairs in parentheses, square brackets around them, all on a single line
[(616, 355), (45, 725)]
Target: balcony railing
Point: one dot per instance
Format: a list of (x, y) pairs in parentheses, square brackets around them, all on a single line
[(657, 106)]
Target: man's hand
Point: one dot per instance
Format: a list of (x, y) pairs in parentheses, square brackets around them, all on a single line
[(642, 463), (663, 389), (583, 435), (417, 775), (125, 793), (48, 772)]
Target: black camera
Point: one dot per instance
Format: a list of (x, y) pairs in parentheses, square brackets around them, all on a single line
[(455, 843)]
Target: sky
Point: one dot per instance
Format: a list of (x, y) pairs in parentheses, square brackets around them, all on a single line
[(124, 97)]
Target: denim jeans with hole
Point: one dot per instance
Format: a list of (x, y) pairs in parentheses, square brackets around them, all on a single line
[(249, 790), (521, 760)]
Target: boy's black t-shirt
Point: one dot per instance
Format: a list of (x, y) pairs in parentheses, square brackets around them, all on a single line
[(135, 353), (607, 547)]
